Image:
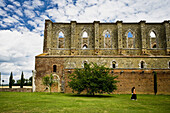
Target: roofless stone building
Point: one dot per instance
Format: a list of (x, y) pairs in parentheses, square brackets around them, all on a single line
[(131, 50)]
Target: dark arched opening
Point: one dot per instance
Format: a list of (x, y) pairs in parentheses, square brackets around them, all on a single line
[(54, 68)]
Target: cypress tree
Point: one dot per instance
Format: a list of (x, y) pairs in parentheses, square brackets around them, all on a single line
[(11, 80), (22, 80), (0, 78), (155, 83)]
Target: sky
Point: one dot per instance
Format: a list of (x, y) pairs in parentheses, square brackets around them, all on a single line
[(22, 24)]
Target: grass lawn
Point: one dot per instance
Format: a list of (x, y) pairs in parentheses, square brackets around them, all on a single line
[(69, 103)]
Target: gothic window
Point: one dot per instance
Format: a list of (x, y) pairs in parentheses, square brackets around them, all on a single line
[(154, 46), (85, 35), (85, 63), (84, 46), (54, 68), (85, 40), (130, 39), (153, 41), (60, 40), (113, 64), (142, 64), (107, 39)]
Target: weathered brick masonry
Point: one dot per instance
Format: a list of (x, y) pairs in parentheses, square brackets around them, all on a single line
[(131, 50)]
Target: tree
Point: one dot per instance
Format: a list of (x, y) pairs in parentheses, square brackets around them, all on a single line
[(30, 81), (155, 83), (48, 81), (22, 80), (11, 80), (93, 79), (0, 78)]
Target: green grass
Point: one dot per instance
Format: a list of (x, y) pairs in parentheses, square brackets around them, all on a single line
[(69, 103)]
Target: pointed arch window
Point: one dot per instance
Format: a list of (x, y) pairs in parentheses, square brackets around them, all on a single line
[(130, 35), (85, 63), (169, 65), (130, 39), (107, 35), (54, 68), (113, 64), (85, 35), (153, 39), (142, 64), (84, 46), (61, 40), (85, 40), (107, 39), (152, 34)]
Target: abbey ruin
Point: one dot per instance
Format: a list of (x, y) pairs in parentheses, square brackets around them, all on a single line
[(133, 51)]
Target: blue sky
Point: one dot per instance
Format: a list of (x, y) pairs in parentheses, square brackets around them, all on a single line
[(22, 24)]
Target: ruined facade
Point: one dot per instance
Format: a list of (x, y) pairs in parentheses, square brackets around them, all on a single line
[(131, 50)]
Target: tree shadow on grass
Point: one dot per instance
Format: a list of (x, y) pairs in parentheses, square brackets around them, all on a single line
[(96, 96)]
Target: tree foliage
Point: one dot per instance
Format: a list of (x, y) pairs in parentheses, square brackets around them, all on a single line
[(22, 80), (11, 80), (93, 79), (48, 81), (155, 83)]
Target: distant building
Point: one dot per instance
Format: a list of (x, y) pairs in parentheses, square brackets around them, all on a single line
[(131, 50)]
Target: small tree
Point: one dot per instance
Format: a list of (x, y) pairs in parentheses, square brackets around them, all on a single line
[(0, 78), (22, 80), (11, 80), (48, 81), (93, 79), (155, 83), (30, 81)]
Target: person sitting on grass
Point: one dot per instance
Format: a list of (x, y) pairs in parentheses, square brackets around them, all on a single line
[(133, 94)]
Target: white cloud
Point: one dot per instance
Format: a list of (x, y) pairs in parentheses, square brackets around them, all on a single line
[(11, 7), (2, 3), (3, 13), (10, 20), (17, 3), (28, 5), (37, 3), (32, 23), (19, 12), (71, 10), (18, 51), (29, 13)]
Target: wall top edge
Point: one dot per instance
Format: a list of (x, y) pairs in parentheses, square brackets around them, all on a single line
[(118, 21), (97, 56)]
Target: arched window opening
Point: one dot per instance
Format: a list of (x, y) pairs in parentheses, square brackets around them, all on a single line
[(85, 35), (154, 46), (84, 40), (54, 68), (61, 35), (169, 64), (130, 35), (84, 46), (107, 39), (130, 39), (142, 64), (107, 35), (152, 34), (153, 40), (61, 40), (85, 63), (113, 64)]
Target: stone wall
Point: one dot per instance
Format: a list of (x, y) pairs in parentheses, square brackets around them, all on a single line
[(142, 79), (118, 32), (134, 58)]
